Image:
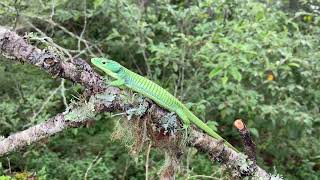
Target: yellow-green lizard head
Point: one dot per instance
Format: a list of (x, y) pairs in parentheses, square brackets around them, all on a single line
[(112, 68)]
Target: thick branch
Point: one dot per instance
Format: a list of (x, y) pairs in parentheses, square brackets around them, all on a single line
[(237, 163), (79, 71), (36, 133), (249, 146)]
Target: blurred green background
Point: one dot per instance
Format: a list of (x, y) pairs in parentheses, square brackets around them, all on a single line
[(226, 59)]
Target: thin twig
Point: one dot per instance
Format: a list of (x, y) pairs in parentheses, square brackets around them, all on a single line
[(52, 93), (84, 25), (53, 23), (45, 39), (9, 165), (52, 9), (125, 170), (202, 177), (63, 95), (93, 163), (141, 37), (42, 5), (17, 14), (147, 159)]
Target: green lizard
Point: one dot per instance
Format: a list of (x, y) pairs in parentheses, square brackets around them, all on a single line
[(126, 78)]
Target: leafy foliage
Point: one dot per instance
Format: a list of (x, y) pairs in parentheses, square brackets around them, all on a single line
[(224, 59)]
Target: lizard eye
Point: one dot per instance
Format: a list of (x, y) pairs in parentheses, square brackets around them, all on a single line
[(103, 62)]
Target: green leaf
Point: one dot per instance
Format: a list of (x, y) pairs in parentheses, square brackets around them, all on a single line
[(3, 177), (221, 106), (224, 80), (254, 132), (213, 125), (235, 73), (215, 72), (175, 66), (294, 65), (97, 3), (114, 34)]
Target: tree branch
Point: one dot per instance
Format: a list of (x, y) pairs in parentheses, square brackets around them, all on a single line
[(80, 72), (36, 133), (237, 163), (77, 71)]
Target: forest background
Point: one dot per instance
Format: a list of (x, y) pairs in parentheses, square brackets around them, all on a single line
[(225, 59)]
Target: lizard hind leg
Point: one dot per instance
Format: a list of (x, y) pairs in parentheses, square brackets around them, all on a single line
[(186, 123)]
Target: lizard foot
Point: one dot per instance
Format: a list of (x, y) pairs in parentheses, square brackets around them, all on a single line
[(185, 128)]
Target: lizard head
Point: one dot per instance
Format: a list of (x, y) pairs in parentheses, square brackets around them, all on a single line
[(112, 68)]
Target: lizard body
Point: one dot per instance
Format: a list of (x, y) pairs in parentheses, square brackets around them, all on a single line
[(142, 85)]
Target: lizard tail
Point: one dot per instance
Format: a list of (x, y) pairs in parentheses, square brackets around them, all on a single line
[(194, 119)]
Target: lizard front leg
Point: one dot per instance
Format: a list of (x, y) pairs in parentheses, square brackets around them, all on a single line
[(117, 83)]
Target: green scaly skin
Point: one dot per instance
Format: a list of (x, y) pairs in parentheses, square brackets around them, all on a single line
[(126, 78)]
